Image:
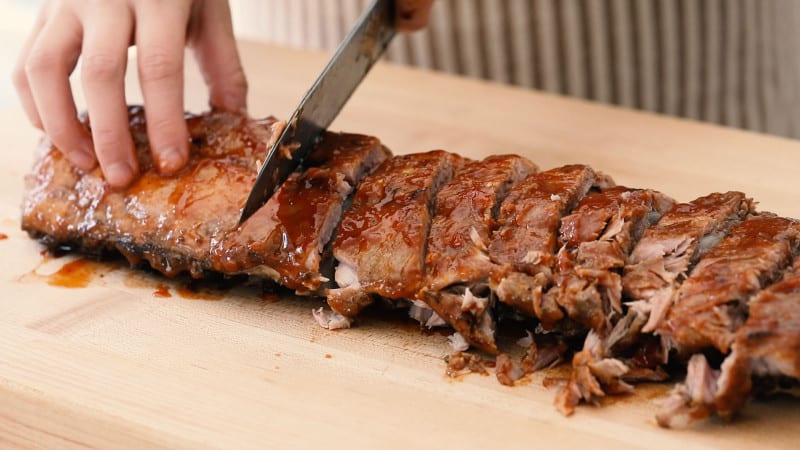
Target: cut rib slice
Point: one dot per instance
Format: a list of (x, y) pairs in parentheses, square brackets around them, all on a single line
[(284, 239), (596, 240), (524, 243), (767, 346), (457, 260), (380, 243), (712, 303), (661, 260)]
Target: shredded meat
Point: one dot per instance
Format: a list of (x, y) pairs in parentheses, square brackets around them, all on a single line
[(525, 241), (663, 257), (596, 239)]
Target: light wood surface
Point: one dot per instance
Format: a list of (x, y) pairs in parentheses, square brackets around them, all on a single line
[(112, 365)]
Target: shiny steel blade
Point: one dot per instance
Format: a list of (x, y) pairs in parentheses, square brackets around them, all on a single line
[(344, 72)]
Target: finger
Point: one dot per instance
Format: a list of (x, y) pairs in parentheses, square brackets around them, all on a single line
[(217, 56), (51, 60), (413, 15), (107, 32), (160, 39), (19, 77)]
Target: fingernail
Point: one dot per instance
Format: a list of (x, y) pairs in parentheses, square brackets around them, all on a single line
[(118, 174), (82, 159), (170, 160)]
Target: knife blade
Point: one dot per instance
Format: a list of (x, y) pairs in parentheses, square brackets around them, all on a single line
[(352, 61)]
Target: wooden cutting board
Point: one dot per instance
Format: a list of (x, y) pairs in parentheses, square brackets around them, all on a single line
[(135, 360)]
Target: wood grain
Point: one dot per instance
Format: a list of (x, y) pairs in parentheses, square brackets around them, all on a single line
[(112, 365)]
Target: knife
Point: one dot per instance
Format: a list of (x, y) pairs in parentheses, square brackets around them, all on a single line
[(321, 104)]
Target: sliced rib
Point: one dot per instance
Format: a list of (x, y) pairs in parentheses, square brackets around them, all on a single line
[(596, 239), (766, 347), (380, 243), (284, 240), (525, 240), (712, 303), (667, 251), (457, 261)]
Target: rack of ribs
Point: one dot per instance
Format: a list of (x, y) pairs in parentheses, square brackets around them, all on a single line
[(639, 280)]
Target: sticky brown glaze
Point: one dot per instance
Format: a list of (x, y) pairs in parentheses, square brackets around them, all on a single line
[(595, 242), (667, 251), (170, 222), (189, 222), (380, 242), (525, 240), (457, 256), (712, 303)]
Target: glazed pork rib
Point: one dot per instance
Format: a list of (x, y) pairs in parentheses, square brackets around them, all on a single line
[(189, 222), (380, 243), (457, 262), (766, 348), (285, 239), (525, 240), (595, 242), (662, 258), (712, 303), (165, 221)]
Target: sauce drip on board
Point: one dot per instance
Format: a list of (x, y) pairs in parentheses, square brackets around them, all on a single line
[(3, 236), (77, 274)]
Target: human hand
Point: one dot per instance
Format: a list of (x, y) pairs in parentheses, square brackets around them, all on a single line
[(99, 33), (413, 15)]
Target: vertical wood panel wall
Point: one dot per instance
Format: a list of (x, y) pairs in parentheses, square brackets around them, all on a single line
[(732, 62)]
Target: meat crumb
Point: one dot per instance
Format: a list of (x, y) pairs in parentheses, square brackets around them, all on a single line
[(507, 370), (330, 319), (461, 363), (457, 342)]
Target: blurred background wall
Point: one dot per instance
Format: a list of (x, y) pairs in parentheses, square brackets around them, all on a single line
[(732, 62)]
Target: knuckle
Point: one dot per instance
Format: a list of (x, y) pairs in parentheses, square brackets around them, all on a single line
[(40, 62), (158, 66), (102, 67), (165, 129), (62, 136), (107, 138)]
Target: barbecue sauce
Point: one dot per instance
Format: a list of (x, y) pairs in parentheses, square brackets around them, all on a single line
[(74, 274)]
